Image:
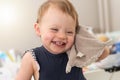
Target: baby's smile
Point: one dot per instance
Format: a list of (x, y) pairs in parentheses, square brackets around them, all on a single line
[(59, 43)]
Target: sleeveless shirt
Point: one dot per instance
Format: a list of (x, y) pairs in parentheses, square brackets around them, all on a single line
[(53, 66)]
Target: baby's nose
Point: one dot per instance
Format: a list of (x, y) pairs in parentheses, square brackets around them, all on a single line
[(62, 35)]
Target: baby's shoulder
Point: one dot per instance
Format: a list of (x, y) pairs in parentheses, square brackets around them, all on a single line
[(31, 57), (28, 57)]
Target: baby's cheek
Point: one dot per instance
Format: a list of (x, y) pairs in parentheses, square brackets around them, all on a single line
[(71, 41), (48, 36)]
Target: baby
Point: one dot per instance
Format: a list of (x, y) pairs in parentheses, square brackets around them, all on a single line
[(57, 25)]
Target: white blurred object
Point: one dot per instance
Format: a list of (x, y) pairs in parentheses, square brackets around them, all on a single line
[(110, 61), (92, 67), (5, 74), (115, 36), (9, 64), (12, 68)]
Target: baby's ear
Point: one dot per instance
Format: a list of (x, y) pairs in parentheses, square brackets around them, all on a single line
[(37, 29)]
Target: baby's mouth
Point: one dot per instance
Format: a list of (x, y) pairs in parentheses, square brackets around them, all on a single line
[(59, 43)]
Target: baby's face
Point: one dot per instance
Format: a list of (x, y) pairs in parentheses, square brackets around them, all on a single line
[(57, 31)]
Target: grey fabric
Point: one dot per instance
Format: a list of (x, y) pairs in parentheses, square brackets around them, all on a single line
[(86, 49)]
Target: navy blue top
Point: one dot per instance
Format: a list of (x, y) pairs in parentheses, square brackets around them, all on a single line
[(53, 66)]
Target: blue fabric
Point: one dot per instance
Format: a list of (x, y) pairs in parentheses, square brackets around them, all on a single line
[(52, 66), (117, 46)]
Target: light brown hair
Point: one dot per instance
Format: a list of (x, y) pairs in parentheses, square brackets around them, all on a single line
[(64, 5)]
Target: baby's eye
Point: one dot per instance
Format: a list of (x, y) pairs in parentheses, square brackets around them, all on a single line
[(54, 29), (70, 32)]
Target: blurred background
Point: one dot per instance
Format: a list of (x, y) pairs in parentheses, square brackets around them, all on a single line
[(17, 18)]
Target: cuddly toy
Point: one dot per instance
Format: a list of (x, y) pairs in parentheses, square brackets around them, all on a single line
[(86, 49)]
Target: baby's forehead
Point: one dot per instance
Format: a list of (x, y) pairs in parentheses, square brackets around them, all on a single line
[(52, 7), (62, 6)]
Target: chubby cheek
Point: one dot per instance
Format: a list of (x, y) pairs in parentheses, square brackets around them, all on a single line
[(47, 37), (70, 42)]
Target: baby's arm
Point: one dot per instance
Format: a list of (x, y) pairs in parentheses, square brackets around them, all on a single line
[(26, 69), (105, 53)]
